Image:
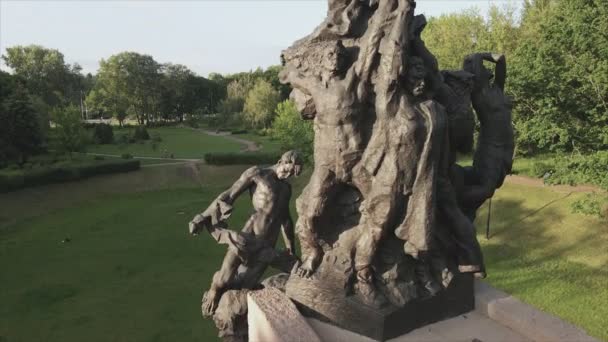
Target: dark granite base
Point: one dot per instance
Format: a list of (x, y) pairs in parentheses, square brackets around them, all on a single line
[(328, 303)]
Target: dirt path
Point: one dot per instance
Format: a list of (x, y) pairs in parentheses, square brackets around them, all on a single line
[(538, 183), (248, 145)]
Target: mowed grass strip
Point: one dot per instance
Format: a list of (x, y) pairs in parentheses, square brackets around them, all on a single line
[(181, 142), (130, 272), (545, 255)]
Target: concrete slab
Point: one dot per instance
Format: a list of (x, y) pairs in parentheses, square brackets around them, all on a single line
[(528, 321), (534, 324), (466, 328), (272, 317)]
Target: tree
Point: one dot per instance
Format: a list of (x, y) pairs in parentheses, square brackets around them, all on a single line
[(451, 37), (46, 74), (559, 77), (20, 133), (291, 131), (260, 104), (70, 134), (178, 95), (128, 80)]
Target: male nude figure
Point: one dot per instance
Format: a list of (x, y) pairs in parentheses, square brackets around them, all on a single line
[(251, 250)]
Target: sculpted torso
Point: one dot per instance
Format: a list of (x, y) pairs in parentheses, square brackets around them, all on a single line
[(270, 200)]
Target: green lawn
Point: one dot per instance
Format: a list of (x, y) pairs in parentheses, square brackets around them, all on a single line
[(548, 257), (132, 273), (181, 142)]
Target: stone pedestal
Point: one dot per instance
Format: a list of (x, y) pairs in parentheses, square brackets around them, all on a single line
[(324, 302), (272, 317)]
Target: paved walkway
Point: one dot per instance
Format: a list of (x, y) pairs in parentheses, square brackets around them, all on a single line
[(471, 327)]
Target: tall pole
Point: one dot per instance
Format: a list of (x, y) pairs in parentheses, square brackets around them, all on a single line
[(488, 222)]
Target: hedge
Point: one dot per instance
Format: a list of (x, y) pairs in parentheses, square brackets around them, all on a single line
[(18, 179), (257, 158)]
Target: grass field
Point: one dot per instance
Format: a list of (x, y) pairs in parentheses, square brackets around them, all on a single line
[(132, 273), (548, 257), (181, 142)]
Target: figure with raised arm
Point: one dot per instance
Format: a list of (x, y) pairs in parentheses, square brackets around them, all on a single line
[(252, 250)]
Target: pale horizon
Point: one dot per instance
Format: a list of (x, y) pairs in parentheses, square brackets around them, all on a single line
[(206, 36)]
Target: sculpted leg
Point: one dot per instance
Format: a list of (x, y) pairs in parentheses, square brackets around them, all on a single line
[(377, 212), (310, 206), (221, 281)]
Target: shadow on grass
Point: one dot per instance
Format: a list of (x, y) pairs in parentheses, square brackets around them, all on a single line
[(528, 256)]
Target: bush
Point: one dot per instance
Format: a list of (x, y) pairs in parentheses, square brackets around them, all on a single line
[(592, 204), (192, 122), (122, 138), (141, 133), (258, 158), (18, 179), (581, 169), (103, 133), (126, 156), (292, 132), (156, 137), (99, 158), (540, 169), (238, 131)]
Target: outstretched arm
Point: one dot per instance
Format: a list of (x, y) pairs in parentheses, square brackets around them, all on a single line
[(289, 235)]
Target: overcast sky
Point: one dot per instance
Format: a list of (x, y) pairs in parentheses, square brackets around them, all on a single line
[(207, 36)]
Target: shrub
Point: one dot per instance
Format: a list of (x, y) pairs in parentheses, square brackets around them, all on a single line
[(141, 133), (156, 137), (291, 131), (17, 179), (540, 169), (242, 158), (122, 138), (99, 158), (582, 169), (103, 133), (238, 131), (126, 156), (591, 204)]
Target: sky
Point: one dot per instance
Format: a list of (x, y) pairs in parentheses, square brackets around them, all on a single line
[(207, 36)]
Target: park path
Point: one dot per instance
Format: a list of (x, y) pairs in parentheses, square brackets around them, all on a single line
[(248, 145), (539, 183)]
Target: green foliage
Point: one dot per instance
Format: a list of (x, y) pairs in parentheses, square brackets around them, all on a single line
[(559, 77), (141, 133), (581, 169), (128, 82), (126, 156), (46, 74), (592, 204), (260, 104), (103, 133), (18, 179), (256, 158), (291, 131), (70, 135), (451, 37), (20, 133)]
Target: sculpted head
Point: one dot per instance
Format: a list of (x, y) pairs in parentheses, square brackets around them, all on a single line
[(289, 165), (415, 76)]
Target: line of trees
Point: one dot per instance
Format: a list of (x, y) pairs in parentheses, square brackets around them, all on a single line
[(557, 52)]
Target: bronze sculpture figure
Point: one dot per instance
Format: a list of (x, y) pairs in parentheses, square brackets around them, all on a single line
[(386, 220)]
